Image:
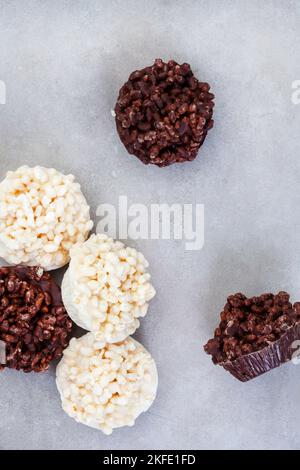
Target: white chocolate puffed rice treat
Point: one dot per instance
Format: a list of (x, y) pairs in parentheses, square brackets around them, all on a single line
[(106, 288), (42, 214), (106, 386)]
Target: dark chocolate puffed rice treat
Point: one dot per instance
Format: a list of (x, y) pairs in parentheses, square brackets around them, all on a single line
[(255, 334), (163, 113), (34, 325)]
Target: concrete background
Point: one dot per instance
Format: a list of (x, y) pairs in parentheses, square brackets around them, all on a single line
[(63, 62)]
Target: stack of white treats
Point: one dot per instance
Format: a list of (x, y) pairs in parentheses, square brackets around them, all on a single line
[(105, 378)]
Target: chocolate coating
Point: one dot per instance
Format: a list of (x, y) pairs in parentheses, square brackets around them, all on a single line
[(163, 113), (34, 325), (255, 334)]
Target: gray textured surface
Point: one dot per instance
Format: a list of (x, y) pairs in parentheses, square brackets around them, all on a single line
[(63, 62)]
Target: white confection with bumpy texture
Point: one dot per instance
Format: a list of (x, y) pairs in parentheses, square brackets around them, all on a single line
[(106, 386), (107, 288), (43, 213)]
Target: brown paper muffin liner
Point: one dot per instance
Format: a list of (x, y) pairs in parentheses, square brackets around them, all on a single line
[(253, 365)]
